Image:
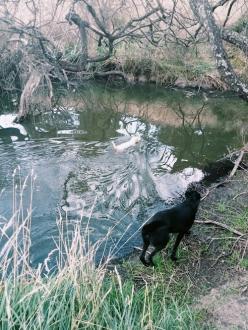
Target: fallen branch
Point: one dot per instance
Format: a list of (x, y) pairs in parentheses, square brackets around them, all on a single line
[(236, 164), (215, 223)]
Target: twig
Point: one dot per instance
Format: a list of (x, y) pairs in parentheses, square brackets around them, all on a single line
[(224, 238), (240, 194), (215, 223), (214, 187), (222, 255)]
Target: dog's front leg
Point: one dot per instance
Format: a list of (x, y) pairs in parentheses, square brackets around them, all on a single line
[(174, 251)]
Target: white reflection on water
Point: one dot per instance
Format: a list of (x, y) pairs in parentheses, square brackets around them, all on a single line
[(7, 121)]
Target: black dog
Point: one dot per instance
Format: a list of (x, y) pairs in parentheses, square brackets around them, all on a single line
[(178, 219)]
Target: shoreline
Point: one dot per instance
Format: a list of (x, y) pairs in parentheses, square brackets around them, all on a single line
[(212, 261)]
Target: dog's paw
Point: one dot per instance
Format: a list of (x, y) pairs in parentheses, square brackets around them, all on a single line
[(144, 262)]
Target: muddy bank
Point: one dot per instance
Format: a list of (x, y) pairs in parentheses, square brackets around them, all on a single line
[(206, 82)]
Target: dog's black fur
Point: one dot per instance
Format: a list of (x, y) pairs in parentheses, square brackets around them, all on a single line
[(177, 219)]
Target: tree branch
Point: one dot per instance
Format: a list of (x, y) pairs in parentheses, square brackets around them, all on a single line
[(220, 4), (135, 20), (235, 39)]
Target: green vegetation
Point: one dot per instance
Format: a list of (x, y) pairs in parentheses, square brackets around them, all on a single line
[(241, 220), (87, 301)]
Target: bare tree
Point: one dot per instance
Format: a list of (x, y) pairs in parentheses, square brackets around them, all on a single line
[(204, 14), (101, 31)]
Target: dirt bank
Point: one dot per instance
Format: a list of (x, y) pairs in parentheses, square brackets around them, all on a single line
[(212, 272)]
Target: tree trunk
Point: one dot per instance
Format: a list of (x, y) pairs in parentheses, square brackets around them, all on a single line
[(203, 12), (82, 26)]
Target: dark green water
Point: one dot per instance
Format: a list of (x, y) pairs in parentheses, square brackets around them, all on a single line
[(80, 175)]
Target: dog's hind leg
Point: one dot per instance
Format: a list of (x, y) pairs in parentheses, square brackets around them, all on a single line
[(145, 247), (174, 251), (157, 248)]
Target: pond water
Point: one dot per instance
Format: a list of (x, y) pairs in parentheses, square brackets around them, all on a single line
[(81, 176)]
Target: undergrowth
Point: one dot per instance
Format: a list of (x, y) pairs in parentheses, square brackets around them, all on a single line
[(165, 66)]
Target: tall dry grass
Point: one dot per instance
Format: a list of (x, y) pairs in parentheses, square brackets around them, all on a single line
[(78, 295)]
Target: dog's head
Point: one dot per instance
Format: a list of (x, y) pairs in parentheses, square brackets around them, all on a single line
[(192, 195)]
